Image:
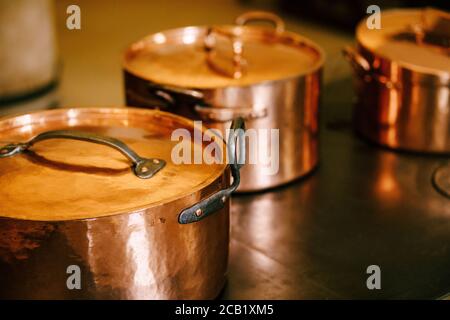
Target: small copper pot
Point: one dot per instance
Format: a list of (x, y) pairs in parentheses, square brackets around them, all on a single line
[(402, 76), (152, 230), (268, 76)]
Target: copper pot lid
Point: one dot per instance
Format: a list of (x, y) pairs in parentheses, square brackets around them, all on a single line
[(228, 55), (416, 39), (65, 179)]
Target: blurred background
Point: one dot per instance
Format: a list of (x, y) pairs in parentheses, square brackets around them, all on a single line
[(83, 67)]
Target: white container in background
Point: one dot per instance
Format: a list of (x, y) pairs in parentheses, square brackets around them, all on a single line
[(27, 47)]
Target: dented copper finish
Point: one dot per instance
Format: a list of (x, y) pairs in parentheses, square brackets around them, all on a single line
[(142, 253), (268, 76), (402, 80)]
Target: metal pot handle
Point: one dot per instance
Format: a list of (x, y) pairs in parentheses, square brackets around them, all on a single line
[(142, 167), (364, 69), (217, 201), (358, 62), (165, 92), (422, 28), (203, 109)]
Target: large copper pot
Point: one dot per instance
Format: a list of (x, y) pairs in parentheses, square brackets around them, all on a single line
[(402, 73), (268, 76), (133, 224)]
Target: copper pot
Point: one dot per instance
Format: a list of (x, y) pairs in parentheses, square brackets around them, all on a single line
[(268, 76), (402, 74), (149, 230)]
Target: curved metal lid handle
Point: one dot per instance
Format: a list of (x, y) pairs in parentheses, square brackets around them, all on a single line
[(142, 167), (245, 18), (238, 61), (436, 36), (237, 45)]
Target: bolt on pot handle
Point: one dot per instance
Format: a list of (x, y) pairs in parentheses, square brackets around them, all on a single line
[(142, 167), (217, 201)]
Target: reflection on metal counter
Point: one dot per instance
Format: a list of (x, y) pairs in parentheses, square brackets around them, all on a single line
[(314, 239)]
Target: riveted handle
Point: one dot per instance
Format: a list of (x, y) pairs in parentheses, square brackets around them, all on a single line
[(217, 201), (142, 167)]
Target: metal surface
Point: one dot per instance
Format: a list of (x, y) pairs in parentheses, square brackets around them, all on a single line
[(403, 87), (142, 167), (364, 205), (135, 253), (287, 100)]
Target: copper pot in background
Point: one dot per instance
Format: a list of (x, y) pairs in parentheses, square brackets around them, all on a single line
[(402, 76), (156, 230), (269, 76)]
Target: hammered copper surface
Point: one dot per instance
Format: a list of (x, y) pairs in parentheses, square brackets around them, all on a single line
[(403, 87), (130, 252), (289, 103)]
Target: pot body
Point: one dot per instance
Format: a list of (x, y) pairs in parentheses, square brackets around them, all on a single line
[(283, 111), (142, 253), (411, 112)]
